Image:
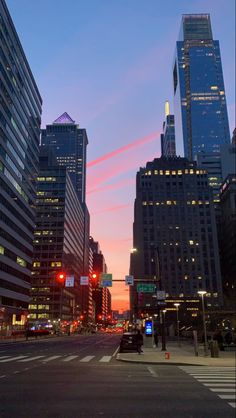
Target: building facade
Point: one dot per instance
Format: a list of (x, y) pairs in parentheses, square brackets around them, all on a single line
[(201, 119), (174, 234), (228, 239), (58, 245), (20, 118)]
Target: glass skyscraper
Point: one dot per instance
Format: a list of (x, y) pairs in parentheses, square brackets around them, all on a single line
[(69, 144), (201, 120), (20, 114)]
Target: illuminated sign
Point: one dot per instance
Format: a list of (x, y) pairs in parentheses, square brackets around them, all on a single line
[(148, 327)]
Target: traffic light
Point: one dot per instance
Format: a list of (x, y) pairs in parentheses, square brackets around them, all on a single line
[(61, 277), (94, 279)]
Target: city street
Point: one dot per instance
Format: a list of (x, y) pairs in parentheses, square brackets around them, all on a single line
[(79, 376)]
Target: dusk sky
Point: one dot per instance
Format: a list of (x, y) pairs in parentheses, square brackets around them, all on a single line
[(108, 63)]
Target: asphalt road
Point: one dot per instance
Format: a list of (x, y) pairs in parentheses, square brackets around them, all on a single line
[(79, 376)]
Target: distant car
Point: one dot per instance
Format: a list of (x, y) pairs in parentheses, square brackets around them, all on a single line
[(128, 342)]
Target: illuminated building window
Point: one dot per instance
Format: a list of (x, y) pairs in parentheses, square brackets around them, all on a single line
[(1, 250), (193, 202), (199, 277), (56, 264), (222, 92), (180, 172), (167, 172), (185, 277), (173, 173), (193, 259), (32, 306), (168, 202), (41, 178), (51, 179), (155, 172), (161, 172), (191, 242), (144, 203), (214, 88), (36, 264), (21, 262), (186, 171), (191, 171)]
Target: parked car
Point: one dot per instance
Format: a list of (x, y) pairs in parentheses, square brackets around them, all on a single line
[(128, 342)]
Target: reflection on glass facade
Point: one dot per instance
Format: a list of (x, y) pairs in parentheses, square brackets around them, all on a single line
[(201, 119), (20, 114)]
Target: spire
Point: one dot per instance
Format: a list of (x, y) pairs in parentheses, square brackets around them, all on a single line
[(63, 119), (167, 108)]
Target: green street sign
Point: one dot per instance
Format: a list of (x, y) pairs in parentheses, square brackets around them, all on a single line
[(105, 280), (146, 287)]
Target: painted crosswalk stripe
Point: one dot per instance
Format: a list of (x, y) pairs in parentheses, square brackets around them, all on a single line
[(86, 359), (105, 359), (69, 358), (46, 360), (30, 359), (230, 397), (2, 357), (233, 404), (12, 359), (226, 385), (214, 377), (228, 390)]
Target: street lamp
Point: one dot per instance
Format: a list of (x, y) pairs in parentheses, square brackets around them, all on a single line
[(163, 336), (177, 317), (202, 293)]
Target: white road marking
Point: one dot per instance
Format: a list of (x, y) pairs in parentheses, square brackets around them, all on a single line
[(233, 404), (30, 359), (86, 359), (153, 373), (12, 359), (2, 357), (46, 360), (69, 358), (115, 352), (233, 397), (3, 375), (226, 385), (228, 390), (105, 359)]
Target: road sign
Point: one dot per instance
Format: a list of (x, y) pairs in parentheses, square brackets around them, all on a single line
[(146, 287), (84, 280), (129, 280), (161, 295), (106, 280), (70, 281)]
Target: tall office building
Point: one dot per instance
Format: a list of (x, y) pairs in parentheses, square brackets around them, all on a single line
[(168, 135), (174, 234), (201, 119), (58, 244), (69, 143), (20, 117)]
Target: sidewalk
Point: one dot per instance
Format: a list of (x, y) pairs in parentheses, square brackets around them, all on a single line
[(183, 355)]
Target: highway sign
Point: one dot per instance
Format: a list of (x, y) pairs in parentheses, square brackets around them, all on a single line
[(146, 287), (105, 280)]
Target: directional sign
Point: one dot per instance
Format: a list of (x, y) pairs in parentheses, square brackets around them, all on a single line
[(129, 280), (70, 280), (84, 280), (106, 280), (146, 287)]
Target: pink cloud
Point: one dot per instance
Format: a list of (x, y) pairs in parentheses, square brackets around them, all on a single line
[(111, 209)]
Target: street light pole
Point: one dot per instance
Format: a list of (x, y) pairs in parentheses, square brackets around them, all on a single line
[(163, 336), (177, 317), (202, 293)]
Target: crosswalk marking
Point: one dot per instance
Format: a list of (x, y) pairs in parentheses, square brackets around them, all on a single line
[(2, 357), (69, 358), (11, 359), (46, 360), (30, 359), (86, 359), (105, 359), (220, 381)]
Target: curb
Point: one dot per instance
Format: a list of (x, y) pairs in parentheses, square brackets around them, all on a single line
[(161, 363)]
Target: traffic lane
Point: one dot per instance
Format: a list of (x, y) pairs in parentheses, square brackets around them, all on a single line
[(25, 359), (114, 390)]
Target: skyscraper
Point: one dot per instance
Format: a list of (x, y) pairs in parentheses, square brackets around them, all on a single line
[(20, 117), (69, 144), (201, 120), (168, 135), (174, 233)]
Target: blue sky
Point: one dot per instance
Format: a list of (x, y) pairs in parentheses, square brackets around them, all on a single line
[(108, 63)]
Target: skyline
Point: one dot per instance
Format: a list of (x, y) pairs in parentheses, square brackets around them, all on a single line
[(128, 90)]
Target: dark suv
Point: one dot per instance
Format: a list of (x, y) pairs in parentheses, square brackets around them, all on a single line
[(128, 341)]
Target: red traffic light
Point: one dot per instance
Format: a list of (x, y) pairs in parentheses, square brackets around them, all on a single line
[(61, 277), (94, 276)]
